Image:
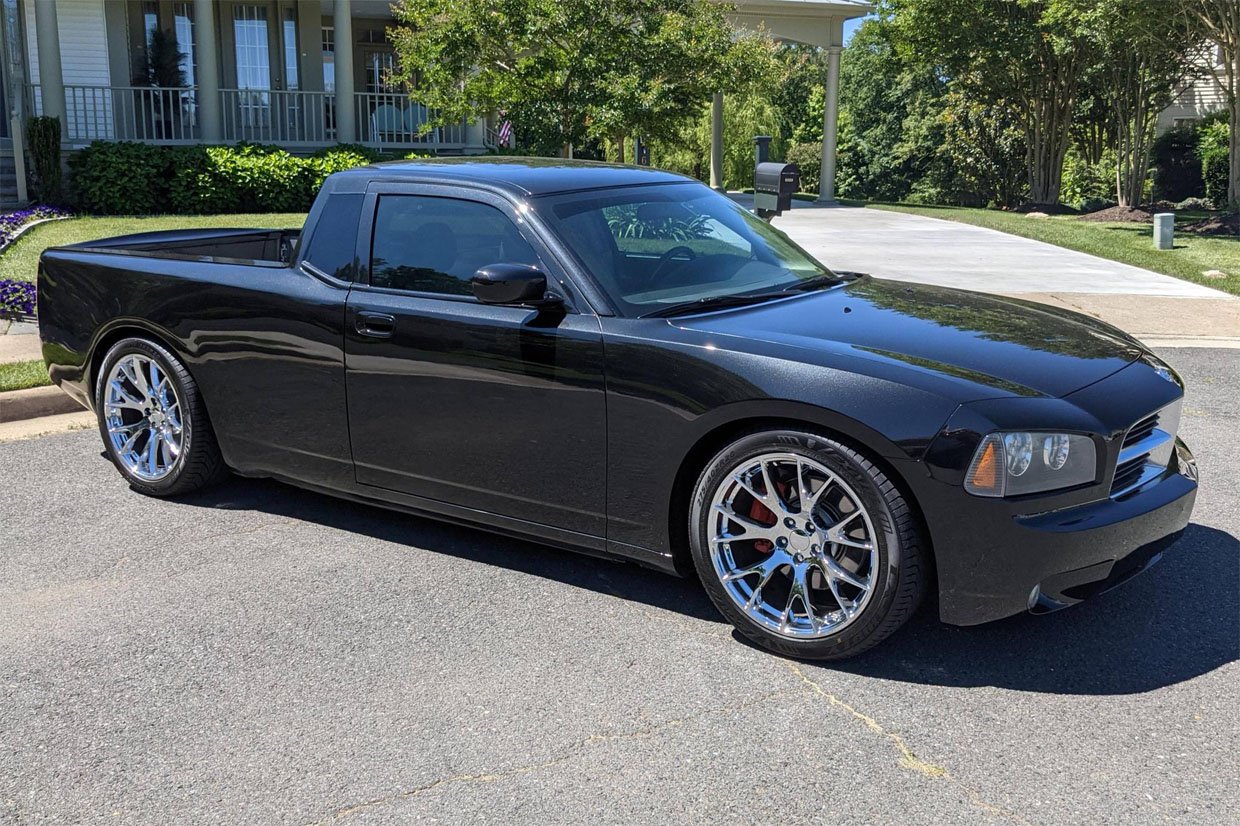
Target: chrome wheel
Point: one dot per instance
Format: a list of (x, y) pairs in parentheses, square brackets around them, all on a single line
[(142, 414), (793, 545)]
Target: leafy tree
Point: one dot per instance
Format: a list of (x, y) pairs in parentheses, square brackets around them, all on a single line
[(1221, 19), (688, 151), (1144, 53), (799, 92), (1028, 55), (578, 69), (890, 103)]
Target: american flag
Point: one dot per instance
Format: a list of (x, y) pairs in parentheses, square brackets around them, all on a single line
[(505, 132)]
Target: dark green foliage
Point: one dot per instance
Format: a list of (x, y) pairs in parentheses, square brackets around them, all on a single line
[(808, 158), (43, 138), (1177, 169), (1212, 149), (128, 178), (160, 63), (121, 178)]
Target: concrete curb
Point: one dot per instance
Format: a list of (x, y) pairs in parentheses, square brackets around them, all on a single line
[(18, 405)]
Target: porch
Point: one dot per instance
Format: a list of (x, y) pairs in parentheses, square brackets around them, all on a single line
[(302, 74), (295, 120)]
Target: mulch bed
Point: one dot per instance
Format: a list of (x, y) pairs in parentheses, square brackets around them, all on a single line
[(1214, 225), (1118, 214)]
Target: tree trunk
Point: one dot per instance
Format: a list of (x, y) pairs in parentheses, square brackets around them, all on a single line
[(619, 141), (1233, 182)]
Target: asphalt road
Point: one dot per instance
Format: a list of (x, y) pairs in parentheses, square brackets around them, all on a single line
[(266, 655)]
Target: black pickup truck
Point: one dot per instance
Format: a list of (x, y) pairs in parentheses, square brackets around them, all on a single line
[(623, 362)]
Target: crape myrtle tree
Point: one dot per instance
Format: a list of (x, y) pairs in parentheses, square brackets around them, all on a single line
[(1025, 54), (1221, 21), (575, 70), (1144, 51)]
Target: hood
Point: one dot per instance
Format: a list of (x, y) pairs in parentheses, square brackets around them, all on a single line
[(1001, 346)]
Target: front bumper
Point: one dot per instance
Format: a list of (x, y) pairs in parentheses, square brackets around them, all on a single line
[(993, 563)]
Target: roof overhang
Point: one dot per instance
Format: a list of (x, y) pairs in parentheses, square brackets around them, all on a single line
[(817, 22)]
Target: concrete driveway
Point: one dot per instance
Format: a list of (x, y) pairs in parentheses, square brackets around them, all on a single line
[(1155, 307), (264, 655)]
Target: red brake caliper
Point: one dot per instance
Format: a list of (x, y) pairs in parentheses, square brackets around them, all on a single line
[(761, 513)]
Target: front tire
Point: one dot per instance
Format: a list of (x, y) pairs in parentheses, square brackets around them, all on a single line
[(153, 421), (805, 545)]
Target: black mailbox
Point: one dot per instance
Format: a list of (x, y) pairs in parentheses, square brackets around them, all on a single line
[(774, 184)]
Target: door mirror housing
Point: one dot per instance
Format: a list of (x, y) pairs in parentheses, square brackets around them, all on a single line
[(512, 284)]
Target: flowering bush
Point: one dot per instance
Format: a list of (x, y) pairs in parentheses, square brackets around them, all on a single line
[(11, 222), (17, 298)]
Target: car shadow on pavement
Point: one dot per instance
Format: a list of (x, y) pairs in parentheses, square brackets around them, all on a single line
[(1177, 621)]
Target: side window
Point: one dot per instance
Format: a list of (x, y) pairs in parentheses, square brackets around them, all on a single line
[(435, 245), (335, 236)]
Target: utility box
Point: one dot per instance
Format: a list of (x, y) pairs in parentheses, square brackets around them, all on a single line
[(1164, 231), (774, 184)]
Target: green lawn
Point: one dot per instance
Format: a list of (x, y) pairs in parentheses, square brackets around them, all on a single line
[(21, 260), (23, 374), (1127, 243)]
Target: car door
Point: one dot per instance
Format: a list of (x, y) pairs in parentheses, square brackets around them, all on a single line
[(496, 408)]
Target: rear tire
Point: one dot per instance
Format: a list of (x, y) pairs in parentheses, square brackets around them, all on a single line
[(153, 421), (805, 545)]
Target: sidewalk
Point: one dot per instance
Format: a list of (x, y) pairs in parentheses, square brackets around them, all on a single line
[(19, 344)]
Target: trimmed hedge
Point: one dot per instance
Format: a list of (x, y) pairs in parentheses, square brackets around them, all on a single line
[(127, 178)]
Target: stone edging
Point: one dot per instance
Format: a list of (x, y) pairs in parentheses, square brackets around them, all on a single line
[(17, 405), (27, 227)]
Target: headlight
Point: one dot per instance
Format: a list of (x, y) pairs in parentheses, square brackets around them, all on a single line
[(1014, 464)]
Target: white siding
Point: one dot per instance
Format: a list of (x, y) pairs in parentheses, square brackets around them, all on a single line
[(84, 62)]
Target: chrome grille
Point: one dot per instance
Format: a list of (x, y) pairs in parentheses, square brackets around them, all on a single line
[(1146, 450)]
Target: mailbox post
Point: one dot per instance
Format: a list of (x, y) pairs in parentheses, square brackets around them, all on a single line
[(774, 184)]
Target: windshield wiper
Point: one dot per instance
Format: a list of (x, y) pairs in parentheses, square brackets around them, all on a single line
[(819, 281), (714, 302)]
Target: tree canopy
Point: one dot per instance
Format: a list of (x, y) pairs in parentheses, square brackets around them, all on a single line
[(575, 70)]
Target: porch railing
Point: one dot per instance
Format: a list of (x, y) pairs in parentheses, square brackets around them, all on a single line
[(137, 113), (290, 119), (392, 120), (297, 119)]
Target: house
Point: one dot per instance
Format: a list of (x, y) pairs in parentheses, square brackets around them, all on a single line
[(302, 74), (1198, 96)]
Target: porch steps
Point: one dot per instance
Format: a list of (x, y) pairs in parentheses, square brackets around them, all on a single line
[(8, 181)]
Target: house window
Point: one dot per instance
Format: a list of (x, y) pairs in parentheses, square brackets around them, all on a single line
[(379, 68), (252, 48), (328, 39), (292, 80)]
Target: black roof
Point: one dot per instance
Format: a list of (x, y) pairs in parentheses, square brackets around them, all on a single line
[(521, 176)]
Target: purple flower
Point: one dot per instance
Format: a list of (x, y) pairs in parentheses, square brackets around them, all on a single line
[(11, 222), (17, 298)]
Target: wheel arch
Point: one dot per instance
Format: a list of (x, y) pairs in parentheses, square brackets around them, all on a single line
[(118, 332), (719, 436)]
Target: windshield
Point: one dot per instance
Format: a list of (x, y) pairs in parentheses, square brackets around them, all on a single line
[(652, 247)]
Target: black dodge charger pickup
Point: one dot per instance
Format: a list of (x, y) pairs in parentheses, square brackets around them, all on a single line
[(624, 362)]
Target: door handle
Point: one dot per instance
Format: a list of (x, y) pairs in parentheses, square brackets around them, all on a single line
[(375, 325)]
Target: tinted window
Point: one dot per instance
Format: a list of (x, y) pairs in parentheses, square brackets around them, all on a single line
[(437, 244), (332, 243), (654, 246)]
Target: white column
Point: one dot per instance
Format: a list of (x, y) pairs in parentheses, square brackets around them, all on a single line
[(207, 51), (830, 120), (51, 77), (346, 109), (716, 142)]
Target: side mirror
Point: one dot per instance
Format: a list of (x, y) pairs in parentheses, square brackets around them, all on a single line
[(511, 284)]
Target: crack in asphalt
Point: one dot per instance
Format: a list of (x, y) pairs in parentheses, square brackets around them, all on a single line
[(908, 759), (573, 751)]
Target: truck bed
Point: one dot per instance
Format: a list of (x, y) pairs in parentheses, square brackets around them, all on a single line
[(270, 247)]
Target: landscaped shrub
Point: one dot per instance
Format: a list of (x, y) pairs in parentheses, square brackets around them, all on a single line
[(121, 178), (1177, 169), (17, 298), (1194, 205), (1212, 149), (1086, 186), (1093, 204), (808, 158), (130, 178), (43, 135)]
